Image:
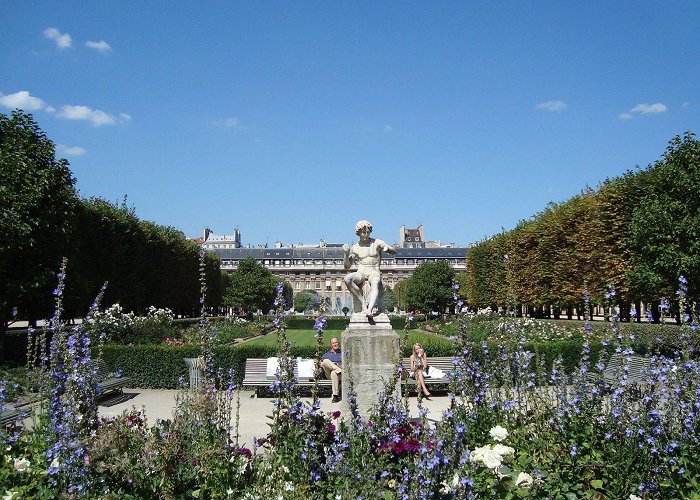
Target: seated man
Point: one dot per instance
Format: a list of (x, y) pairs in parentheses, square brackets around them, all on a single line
[(331, 362), (367, 253)]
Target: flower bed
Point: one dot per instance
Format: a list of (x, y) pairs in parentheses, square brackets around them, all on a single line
[(514, 429)]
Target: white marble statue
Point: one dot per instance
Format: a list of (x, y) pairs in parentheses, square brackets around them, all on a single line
[(365, 284)]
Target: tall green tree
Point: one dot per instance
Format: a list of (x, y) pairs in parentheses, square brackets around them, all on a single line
[(252, 287), (390, 300), (664, 233), (38, 199), (306, 300), (431, 287), (401, 292)]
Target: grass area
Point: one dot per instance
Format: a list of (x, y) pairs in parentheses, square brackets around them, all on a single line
[(296, 337), (435, 345)]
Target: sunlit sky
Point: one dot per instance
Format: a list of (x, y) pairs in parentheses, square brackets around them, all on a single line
[(292, 120)]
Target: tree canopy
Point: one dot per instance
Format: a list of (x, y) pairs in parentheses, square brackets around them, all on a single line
[(38, 200), (252, 287), (637, 233), (306, 300), (431, 287)]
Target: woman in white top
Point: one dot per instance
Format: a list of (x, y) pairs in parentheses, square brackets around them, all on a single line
[(419, 362)]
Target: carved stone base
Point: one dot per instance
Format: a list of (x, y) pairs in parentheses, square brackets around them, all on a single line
[(369, 355)]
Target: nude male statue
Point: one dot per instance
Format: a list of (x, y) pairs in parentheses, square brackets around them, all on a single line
[(368, 255)]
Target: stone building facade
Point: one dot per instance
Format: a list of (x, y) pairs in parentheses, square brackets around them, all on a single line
[(320, 267)]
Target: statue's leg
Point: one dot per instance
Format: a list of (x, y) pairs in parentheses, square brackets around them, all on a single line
[(355, 291), (374, 282)]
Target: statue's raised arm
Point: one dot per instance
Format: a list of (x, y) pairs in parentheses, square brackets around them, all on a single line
[(365, 284)]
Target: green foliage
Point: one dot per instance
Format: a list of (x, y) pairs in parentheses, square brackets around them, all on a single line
[(144, 264), (431, 287), (306, 300), (38, 203), (252, 287), (637, 233), (301, 323), (401, 292), (664, 227), (390, 300)]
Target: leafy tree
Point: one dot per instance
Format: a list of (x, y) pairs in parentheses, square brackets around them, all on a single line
[(306, 300), (390, 299), (663, 232), (252, 287), (38, 199), (431, 287), (145, 263), (401, 292)]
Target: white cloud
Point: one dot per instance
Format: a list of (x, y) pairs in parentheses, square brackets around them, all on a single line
[(95, 116), (685, 105), (649, 108), (63, 40), (71, 150), (100, 46), (552, 105), (388, 128), (23, 100), (643, 109), (228, 122)]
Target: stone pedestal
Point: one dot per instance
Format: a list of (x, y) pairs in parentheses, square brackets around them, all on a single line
[(369, 349)]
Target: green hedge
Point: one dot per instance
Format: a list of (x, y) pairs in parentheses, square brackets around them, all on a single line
[(162, 367)]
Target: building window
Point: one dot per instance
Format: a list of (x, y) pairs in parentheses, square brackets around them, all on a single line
[(318, 285)]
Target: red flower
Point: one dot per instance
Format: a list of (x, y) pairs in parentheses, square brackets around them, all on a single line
[(412, 445)]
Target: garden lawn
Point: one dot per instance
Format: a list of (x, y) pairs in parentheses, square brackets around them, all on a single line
[(435, 345)]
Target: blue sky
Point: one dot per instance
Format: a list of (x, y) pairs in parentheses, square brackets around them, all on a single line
[(292, 120)]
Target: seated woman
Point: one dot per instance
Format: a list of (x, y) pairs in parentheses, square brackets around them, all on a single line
[(419, 362)]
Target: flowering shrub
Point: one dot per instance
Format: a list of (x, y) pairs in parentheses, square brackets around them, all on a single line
[(512, 430), (121, 327)]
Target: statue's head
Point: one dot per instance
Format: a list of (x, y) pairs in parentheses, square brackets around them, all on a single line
[(361, 225)]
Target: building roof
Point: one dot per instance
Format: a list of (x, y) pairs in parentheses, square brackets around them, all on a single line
[(333, 252)]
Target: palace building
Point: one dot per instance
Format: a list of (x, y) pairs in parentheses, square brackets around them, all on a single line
[(320, 267)]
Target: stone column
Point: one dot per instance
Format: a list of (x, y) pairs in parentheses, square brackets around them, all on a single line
[(370, 349)]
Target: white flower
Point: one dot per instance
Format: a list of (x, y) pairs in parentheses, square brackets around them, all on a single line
[(524, 480), (9, 495), (446, 489), (288, 486), (634, 497), (391, 483), (491, 458), (504, 451), (477, 454), (22, 464), (455, 480), (498, 433), (229, 492)]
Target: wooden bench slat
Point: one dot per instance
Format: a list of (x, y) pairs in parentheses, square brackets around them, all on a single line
[(255, 374)]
